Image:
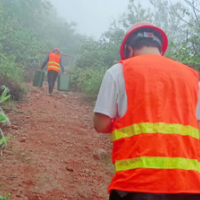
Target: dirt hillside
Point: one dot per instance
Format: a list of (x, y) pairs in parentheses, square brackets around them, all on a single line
[(53, 152)]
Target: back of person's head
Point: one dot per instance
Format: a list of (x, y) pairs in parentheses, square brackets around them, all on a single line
[(56, 50), (143, 34), (145, 37)]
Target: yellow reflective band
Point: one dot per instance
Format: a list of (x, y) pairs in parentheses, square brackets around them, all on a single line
[(160, 127), (54, 67), (54, 63), (157, 163)]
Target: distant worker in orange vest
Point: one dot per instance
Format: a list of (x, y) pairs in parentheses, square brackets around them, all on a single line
[(54, 62), (150, 105)]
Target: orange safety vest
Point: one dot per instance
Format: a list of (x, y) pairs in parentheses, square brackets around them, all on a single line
[(156, 146), (54, 62)]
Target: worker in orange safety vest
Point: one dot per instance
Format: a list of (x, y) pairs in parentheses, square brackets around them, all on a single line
[(150, 105), (54, 62)]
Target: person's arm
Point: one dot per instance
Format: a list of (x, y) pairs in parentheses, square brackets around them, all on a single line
[(45, 62), (62, 66), (106, 107), (102, 123)]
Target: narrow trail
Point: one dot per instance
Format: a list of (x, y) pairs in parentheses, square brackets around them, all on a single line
[(50, 152)]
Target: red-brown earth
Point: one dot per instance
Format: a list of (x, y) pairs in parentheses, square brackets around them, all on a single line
[(53, 150)]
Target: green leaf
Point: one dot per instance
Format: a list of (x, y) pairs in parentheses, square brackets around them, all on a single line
[(4, 95), (2, 118), (2, 135), (2, 141)]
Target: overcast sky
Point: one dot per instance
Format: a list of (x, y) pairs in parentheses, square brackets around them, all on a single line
[(93, 17)]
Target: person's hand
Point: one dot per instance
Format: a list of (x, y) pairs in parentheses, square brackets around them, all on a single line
[(64, 73)]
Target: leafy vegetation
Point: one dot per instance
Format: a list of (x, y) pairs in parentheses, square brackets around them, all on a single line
[(27, 27), (3, 118), (23, 34), (179, 20), (24, 26), (87, 80), (6, 197)]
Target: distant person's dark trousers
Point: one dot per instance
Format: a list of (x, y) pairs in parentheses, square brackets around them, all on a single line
[(147, 196), (52, 76)]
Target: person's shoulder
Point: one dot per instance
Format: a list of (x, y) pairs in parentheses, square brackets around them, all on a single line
[(115, 70), (172, 61), (179, 63)]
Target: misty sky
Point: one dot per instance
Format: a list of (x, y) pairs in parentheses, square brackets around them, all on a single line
[(93, 17)]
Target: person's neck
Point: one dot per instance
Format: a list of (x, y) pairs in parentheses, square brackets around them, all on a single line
[(147, 50)]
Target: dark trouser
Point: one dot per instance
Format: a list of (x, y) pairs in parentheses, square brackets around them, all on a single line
[(147, 196), (52, 75)]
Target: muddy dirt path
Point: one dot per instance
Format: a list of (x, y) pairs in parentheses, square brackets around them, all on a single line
[(50, 155)]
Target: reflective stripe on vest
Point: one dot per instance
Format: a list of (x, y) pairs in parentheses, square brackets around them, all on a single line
[(57, 68), (164, 128), (157, 163), (54, 63)]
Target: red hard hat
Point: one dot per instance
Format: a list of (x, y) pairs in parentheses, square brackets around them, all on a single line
[(56, 49), (140, 25)]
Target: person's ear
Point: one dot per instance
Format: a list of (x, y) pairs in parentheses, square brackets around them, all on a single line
[(131, 51)]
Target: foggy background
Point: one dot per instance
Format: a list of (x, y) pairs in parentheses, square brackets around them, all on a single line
[(93, 17)]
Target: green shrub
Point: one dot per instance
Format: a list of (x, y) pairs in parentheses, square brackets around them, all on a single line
[(87, 80), (74, 73), (17, 88), (28, 74), (11, 75), (9, 68), (3, 118)]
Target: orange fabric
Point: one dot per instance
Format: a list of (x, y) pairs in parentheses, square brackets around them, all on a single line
[(54, 62), (158, 90)]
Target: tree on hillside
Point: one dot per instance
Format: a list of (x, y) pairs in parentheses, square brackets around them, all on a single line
[(179, 20), (187, 48), (101, 53), (28, 26)]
